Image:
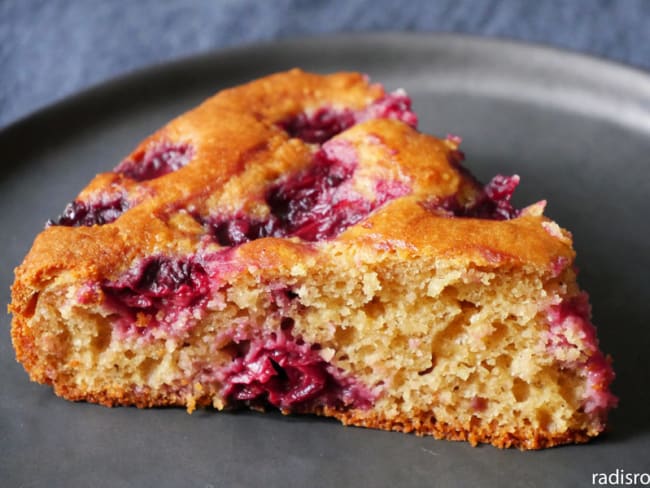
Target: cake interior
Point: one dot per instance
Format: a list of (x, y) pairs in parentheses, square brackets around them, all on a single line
[(381, 338)]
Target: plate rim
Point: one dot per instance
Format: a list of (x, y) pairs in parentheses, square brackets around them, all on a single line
[(635, 79)]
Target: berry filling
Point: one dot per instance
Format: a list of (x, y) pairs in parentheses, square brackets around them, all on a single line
[(395, 105), (571, 337), (104, 211), (320, 125), (559, 264), (492, 201), (326, 122), (158, 160), (240, 229), (315, 204), (159, 289), (281, 370)]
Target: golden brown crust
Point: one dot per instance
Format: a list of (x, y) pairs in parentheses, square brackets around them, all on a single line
[(421, 424), (233, 132), (229, 132), (474, 432), (405, 224)]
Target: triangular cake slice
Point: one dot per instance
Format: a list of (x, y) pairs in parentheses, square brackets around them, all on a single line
[(296, 243)]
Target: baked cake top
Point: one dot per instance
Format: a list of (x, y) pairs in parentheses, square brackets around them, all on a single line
[(280, 168)]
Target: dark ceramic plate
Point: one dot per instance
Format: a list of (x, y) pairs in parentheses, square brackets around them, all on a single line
[(576, 129)]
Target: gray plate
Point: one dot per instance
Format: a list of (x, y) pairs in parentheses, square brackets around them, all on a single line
[(576, 130)]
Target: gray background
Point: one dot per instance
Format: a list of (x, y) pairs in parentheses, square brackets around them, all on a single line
[(53, 48)]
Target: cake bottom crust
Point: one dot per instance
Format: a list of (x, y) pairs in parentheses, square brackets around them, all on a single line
[(421, 423), (475, 433)]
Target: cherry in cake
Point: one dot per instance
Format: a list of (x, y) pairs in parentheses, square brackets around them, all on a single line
[(157, 160), (102, 211), (296, 243)]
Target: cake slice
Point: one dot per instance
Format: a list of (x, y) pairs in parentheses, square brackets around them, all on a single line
[(296, 243)]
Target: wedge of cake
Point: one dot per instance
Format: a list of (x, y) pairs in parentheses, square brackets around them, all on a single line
[(296, 243)]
